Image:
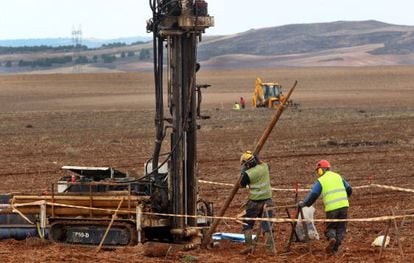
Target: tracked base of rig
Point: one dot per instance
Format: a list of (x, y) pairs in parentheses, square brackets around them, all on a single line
[(91, 232)]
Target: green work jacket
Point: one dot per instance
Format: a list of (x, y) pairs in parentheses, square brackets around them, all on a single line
[(259, 186), (333, 191)]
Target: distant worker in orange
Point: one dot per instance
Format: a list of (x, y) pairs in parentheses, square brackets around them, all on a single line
[(242, 103), (335, 191)]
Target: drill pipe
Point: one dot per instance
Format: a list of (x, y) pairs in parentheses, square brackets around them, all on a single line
[(257, 149)]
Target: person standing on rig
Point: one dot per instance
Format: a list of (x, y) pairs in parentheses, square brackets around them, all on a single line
[(335, 191), (255, 174)]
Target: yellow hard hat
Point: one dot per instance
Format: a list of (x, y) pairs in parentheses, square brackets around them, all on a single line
[(246, 157)]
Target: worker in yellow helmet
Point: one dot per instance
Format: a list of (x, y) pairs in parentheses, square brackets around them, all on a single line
[(335, 191), (255, 175)]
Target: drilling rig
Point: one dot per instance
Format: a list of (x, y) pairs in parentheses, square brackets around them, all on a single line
[(177, 25), (101, 205)]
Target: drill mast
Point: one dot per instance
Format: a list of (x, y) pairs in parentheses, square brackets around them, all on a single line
[(177, 26)]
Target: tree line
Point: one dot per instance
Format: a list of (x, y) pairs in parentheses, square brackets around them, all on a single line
[(63, 48), (144, 54), (42, 48)]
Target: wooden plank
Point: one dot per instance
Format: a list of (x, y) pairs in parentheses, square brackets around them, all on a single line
[(78, 197), (69, 211), (385, 238), (98, 201), (109, 226)]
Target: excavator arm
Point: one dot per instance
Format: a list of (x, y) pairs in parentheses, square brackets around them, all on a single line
[(258, 96)]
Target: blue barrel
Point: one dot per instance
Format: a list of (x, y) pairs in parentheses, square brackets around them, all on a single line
[(15, 219), (13, 226), (19, 233)]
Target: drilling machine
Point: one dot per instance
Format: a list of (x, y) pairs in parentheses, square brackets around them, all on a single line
[(81, 210), (177, 25)]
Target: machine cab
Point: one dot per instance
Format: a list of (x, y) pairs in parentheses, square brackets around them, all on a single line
[(271, 91)]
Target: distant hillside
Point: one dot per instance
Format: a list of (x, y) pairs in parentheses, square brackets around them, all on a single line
[(358, 43), (299, 39), (304, 38)]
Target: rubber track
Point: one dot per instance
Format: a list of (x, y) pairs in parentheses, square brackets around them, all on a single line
[(82, 222)]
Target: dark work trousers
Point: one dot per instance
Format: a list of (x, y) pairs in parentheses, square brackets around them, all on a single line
[(255, 209), (336, 229)]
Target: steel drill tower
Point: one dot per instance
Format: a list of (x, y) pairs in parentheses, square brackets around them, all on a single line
[(177, 27)]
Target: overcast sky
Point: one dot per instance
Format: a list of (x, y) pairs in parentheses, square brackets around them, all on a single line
[(124, 18)]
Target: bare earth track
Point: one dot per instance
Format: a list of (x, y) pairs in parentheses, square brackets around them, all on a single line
[(361, 119)]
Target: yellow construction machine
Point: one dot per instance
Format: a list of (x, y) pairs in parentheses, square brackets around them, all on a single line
[(268, 95)]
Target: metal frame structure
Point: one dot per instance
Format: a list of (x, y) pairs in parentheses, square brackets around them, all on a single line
[(178, 26)]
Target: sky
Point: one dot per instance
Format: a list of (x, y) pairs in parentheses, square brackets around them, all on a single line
[(106, 19)]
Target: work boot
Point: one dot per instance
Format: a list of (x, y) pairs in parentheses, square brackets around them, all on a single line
[(330, 246), (270, 245), (248, 240), (335, 249)]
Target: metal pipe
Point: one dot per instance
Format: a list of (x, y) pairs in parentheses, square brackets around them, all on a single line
[(53, 200), (169, 64), (256, 151), (43, 219), (159, 118), (139, 223), (185, 178), (185, 232), (90, 201), (177, 135)]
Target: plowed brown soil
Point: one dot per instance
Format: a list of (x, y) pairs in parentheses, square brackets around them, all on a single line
[(360, 119)]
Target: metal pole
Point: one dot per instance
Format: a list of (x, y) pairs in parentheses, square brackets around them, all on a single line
[(43, 219), (139, 222), (257, 149), (53, 199)]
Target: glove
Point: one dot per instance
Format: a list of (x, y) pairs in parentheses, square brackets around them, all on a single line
[(301, 204)]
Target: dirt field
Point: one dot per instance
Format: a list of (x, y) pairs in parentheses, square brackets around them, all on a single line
[(360, 119)]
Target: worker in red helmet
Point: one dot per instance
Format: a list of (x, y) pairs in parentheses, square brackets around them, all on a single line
[(255, 174), (335, 191)]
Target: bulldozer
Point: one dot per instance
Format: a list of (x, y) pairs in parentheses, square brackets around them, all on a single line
[(268, 95)]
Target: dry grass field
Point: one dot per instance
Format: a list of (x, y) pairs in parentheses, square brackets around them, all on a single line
[(360, 119)]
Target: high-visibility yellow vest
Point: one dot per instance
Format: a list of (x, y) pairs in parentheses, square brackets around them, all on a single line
[(333, 191), (259, 186)]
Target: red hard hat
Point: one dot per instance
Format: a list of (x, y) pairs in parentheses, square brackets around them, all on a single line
[(323, 164)]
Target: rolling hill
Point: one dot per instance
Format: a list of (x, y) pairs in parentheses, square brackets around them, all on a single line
[(341, 43), (337, 43)]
